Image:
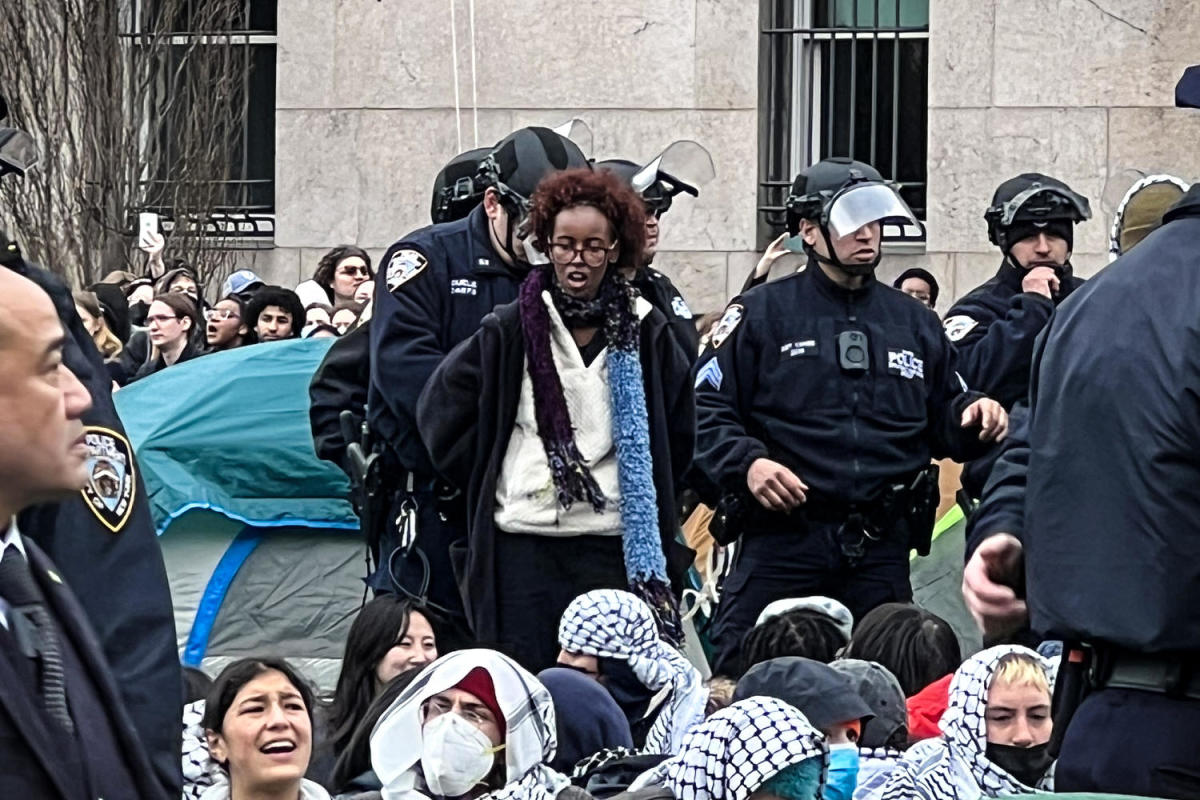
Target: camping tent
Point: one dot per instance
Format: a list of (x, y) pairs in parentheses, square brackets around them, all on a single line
[(262, 548)]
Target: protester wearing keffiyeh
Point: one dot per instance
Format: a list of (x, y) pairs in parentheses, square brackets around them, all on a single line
[(753, 744), (524, 704), (611, 624), (956, 766)]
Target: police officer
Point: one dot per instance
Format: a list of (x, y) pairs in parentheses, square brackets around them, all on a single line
[(1032, 220), (1104, 550), (656, 287), (819, 404), (434, 287)]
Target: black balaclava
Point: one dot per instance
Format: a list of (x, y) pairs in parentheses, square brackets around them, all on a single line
[(631, 694)]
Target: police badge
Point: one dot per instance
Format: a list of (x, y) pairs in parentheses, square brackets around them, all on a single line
[(111, 477)]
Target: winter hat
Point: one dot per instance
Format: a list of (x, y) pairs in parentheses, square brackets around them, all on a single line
[(479, 683)]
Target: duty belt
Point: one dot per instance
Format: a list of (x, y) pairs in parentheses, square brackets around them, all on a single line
[(1175, 675)]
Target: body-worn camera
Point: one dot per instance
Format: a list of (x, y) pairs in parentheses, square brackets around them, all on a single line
[(853, 351)]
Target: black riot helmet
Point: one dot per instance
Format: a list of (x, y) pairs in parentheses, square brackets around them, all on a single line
[(519, 161), (840, 195), (1033, 202), (455, 189)]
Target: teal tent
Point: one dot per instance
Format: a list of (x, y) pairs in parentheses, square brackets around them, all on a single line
[(262, 547)]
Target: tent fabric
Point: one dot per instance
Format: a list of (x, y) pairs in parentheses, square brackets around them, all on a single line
[(193, 426), (937, 580)]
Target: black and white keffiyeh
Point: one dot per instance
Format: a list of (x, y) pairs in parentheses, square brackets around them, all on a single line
[(200, 771), (956, 766), (735, 751), (609, 623)]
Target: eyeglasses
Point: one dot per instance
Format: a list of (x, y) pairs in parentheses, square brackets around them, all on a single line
[(594, 255), (220, 314), (354, 271), (159, 319)]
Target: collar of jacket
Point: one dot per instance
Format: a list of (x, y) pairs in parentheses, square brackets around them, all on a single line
[(833, 291), (484, 258)]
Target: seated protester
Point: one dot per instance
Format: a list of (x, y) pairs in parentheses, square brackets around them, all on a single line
[(758, 748), (258, 722), (338, 276), (321, 332), (828, 699), (994, 735), (611, 637), (87, 305), (589, 720), (346, 318), (567, 419), (720, 695), (926, 708), (316, 314), (274, 314), (809, 627), (179, 280), (472, 723), (884, 740), (242, 283), (196, 685), (139, 294), (389, 636), (226, 328), (918, 284), (352, 773), (172, 321), (916, 646)]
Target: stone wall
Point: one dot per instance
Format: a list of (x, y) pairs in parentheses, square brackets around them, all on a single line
[(365, 113), (1079, 89)]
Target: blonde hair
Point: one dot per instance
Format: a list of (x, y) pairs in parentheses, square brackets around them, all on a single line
[(1018, 669), (107, 342)]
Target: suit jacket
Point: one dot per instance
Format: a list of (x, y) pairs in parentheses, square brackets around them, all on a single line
[(31, 763)]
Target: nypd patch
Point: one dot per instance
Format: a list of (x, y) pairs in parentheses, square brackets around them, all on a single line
[(957, 327), (726, 325), (112, 478), (711, 374), (905, 364), (404, 266), (680, 308)]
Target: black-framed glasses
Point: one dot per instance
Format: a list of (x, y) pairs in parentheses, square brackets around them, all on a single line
[(593, 255)]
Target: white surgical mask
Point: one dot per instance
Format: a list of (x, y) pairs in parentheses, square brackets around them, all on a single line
[(455, 755)]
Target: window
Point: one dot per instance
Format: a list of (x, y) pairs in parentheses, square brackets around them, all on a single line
[(842, 78), (211, 102)]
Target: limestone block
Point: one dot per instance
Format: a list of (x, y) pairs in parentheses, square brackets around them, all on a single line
[(305, 55), (970, 270), (277, 265), (316, 177), (700, 277), (960, 53), (1092, 52), (726, 54), (1145, 141), (971, 151)]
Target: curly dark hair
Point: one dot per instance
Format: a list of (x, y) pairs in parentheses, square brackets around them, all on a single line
[(915, 645), (328, 265), (601, 190), (799, 632)]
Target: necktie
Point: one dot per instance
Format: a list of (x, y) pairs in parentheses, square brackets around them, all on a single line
[(19, 589)]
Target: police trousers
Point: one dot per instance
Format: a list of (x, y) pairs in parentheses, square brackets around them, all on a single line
[(1125, 741), (804, 561)]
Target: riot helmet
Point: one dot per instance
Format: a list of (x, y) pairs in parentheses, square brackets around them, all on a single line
[(514, 168), (1141, 210), (456, 191), (1032, 203), (840, 196), (683, 167)]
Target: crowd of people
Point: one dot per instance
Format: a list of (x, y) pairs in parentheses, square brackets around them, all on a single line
[(550, 415)]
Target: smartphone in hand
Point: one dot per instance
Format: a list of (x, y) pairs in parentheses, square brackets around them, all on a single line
[(147, 226)]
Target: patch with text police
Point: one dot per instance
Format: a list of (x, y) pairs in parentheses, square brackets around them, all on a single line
[(403, 267), (730, 320), (111, 479), (905, 364)]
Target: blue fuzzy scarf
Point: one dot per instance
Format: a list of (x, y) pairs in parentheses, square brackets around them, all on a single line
[(645, 563)]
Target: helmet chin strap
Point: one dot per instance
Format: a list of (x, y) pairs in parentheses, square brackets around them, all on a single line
[(518, 262), (854, 270)]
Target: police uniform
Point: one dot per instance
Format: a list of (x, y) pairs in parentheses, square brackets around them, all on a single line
[(773, 385), (1111, 516), (433, 288), (661, 293)]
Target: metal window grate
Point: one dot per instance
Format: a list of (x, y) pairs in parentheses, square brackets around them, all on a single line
[(842, 78)]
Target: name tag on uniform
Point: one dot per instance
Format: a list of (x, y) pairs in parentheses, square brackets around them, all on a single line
[(807, 347), (463, 286)]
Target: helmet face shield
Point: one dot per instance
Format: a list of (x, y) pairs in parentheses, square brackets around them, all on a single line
[(863, 203), (1039, 203)]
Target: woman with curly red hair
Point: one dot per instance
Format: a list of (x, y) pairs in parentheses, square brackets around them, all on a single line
[(567, 420)]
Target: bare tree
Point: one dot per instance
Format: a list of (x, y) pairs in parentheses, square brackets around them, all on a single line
[(135, 105)]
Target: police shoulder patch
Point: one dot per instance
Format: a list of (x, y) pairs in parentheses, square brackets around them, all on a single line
[(403, 267), (680, 307), (958, 326), (112, 479), (728, 322)]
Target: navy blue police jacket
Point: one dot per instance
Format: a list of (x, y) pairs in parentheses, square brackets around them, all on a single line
[(771, 385), (433, 288), (661, 293)]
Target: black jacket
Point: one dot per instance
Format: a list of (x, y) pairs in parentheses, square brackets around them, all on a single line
[(149, 367), (32, 764), (433, 288), (994, 328), (1112, 503), (772, 386), (466, 416), (340, 384), (661, 293)]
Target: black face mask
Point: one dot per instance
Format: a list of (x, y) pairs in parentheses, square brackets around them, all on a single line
[(137, 314), (1026, 764), (630, 693)]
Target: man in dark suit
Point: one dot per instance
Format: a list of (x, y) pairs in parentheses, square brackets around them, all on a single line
[(64, 732)]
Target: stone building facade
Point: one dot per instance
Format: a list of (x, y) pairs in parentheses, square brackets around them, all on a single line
[(365, 114)]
